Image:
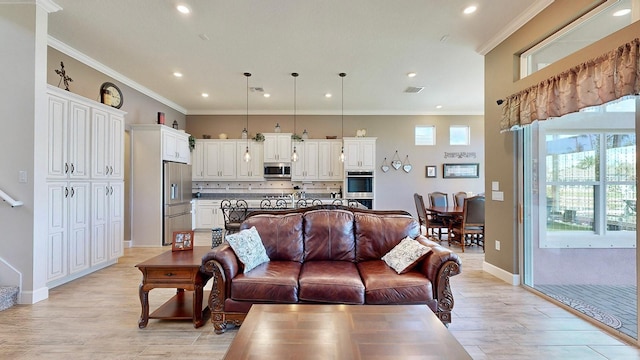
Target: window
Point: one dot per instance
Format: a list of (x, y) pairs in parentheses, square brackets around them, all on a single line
[(459, 135), (588, 179), (589, 28), (425, 135)]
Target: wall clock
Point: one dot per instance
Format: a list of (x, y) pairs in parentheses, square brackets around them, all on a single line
[(111, 95)]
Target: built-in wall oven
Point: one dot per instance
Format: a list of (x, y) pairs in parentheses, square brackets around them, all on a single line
[(359, 186)]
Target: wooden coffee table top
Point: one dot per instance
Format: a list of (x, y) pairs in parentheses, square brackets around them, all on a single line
[(306, 331)]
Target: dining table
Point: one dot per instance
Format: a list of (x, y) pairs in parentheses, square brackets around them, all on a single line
[(449, 210)]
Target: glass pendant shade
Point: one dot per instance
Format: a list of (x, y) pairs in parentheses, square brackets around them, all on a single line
[(342, 157), (247, 156), (294, 156)]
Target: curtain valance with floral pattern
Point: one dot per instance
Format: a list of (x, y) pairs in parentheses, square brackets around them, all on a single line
[(603, 79)]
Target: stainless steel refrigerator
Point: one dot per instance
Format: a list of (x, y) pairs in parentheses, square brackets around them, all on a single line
[(177, 199)]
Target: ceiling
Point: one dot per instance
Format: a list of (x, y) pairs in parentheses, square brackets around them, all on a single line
[(376, 42)]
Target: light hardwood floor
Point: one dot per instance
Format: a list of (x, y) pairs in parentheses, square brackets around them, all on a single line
[(96, 317)]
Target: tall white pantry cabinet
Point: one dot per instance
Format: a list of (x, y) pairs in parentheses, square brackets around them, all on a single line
[(85, 183)]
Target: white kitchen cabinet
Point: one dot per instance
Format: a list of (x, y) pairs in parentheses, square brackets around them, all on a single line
[(306, 168), (107, 221), (254, 169), (220, 158), (68, 138), (107, 144), (175, 145), (329, 165), (360, 153), (209, 215), (277, 147), (197, 161), (68, 238), (85, 148)]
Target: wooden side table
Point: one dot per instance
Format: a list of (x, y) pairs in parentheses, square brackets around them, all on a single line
[(180, 270)]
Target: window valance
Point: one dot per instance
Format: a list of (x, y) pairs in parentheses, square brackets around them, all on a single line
[(595, 82)]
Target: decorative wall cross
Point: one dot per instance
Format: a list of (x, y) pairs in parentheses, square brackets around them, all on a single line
[(63, 77)]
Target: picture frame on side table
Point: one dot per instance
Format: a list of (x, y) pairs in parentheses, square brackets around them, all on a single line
[(460, 171), (182, 240), (431, 171)]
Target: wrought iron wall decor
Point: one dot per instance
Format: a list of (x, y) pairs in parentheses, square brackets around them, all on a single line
[(460, 155)]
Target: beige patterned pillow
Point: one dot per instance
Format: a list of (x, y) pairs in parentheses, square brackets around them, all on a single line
[(248, 248), (405, 255)]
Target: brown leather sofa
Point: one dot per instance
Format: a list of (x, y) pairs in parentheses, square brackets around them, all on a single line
[(320, 255)]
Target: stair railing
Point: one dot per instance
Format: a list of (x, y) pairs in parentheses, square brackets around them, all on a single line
[(10, 200)]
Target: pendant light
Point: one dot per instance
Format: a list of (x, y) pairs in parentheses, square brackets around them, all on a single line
[(247, 156), (294, 155), (342, 157)]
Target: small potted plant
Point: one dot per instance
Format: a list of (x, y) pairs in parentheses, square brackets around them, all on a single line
[(259, 137)]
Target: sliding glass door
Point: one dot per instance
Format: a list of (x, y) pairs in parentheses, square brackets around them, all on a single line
[(579, 197)]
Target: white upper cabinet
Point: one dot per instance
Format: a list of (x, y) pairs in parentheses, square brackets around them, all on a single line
[(277, 147), (220, 159), (175, 146), (306, 168), (254, 169), (107, 145), (360, 153), (329, 165), (197, 161), (68, 139)]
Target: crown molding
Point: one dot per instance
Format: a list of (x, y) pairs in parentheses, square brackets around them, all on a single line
[(83, 58), (514, 25), (48, 5), (337, 113)]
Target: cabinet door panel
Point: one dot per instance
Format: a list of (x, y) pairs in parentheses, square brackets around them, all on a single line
[(79, 238), (99, 225), (79, 140), (57, 138), (57, 230), (116, 147), (99, 144)]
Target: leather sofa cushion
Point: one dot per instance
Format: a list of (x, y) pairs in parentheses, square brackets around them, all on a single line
[(281, 235), (274, 281), (385, 286), (377, 234), (331, 282), (329, 235)]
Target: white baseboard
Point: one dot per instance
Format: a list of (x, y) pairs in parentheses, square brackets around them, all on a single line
[(509, 278), (128, 243), (32, 297)]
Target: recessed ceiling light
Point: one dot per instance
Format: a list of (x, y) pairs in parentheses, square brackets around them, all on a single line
[(622, 12), (411, 74), (438, 106), (177, 74), (470, 9), (266, 95), (205, 95), (328, 95), (183, 9)]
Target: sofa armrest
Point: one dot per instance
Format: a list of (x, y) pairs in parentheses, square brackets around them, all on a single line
[(223, 265), (439, 265)]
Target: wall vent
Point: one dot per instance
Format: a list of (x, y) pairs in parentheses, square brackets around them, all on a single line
[(413, 89)]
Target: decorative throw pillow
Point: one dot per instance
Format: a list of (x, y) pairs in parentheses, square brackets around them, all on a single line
[(248, 248), (405, 255)]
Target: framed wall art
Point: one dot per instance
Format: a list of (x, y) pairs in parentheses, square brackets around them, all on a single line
[(431, 171), (182, 240), (453, 171)]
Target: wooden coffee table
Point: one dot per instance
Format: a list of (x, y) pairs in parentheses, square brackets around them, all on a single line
[(304, 331), (180, 270)]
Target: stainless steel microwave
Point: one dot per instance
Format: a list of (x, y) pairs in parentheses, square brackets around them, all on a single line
[(277, 171)]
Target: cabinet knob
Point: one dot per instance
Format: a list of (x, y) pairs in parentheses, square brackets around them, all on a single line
[(73, 168), (66, 168)]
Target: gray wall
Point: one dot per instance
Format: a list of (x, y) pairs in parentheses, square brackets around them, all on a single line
[(394, 189)]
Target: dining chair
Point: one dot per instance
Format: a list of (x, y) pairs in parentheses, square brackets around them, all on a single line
[(458, 198), (438, 199), (234, 214), (471, 224), (430, 221)]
